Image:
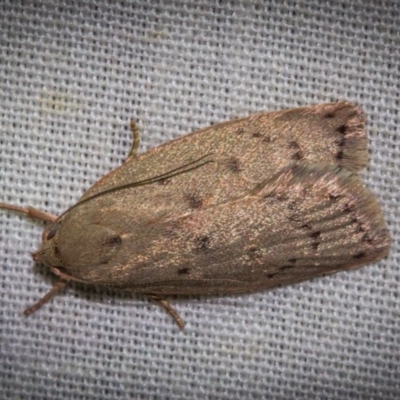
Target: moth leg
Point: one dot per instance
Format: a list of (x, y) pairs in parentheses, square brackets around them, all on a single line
[(30, 212), (57, 287), (169, 309), (136, 139)]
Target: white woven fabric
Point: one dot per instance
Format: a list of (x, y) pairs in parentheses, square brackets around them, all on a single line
[(72, 75)]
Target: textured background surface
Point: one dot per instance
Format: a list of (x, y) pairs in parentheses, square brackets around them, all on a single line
[(72, 74)]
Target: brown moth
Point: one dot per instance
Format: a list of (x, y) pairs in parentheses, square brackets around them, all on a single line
[(246, 205)]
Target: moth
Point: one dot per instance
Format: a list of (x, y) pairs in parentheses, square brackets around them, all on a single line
[(246, 205)]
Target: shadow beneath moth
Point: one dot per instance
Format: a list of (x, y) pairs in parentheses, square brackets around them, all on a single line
[(250, 204)]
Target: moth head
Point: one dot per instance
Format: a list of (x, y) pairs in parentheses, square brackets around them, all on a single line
[(78, 251), (48, 253)]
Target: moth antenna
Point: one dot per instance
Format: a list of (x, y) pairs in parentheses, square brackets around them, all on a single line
[(30, 212)]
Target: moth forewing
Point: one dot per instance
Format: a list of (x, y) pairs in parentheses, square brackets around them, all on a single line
[(303, 222)]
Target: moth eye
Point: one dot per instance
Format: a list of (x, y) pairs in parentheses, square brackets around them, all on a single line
[(52, 232), (113, 241)]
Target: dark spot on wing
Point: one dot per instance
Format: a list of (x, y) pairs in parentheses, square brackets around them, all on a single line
[(202, 243), (194, 200), (297, 156), (316, 241), (113, 241), (280, 197), (334, 196), (315, 245), (292, 260), (256, 134), (359, 255), (270, 276), (354, 220), (297, 152), (183, 271), (316, 235), (342, 129), (234, 164), (347, 208), (366, 238), (253, 253), (339, 155), (329, 115), (306, 226), (286, 267), (267, 139), (359, 228), (57, 253)]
